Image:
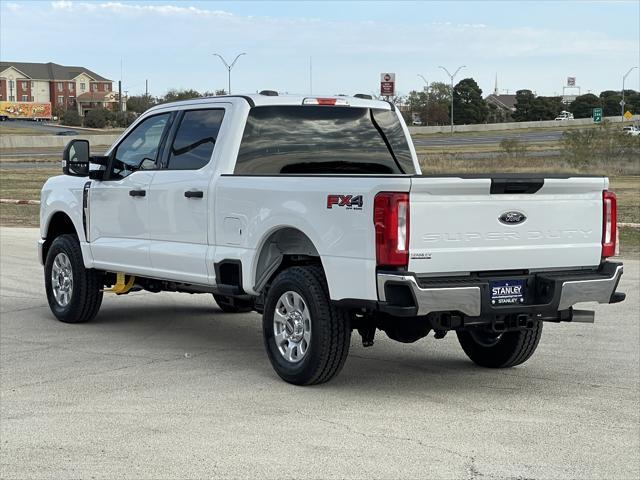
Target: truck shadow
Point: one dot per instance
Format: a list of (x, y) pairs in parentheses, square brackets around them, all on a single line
[(234, 342)]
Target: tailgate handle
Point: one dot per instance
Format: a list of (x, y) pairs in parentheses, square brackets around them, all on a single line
[(516, 185)]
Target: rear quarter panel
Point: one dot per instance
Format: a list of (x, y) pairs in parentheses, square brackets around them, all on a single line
[(257, 206)]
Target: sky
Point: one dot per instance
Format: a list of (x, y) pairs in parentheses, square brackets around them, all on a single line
[(533, 45)]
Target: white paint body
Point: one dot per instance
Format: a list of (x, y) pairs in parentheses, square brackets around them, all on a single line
[(454, 227)]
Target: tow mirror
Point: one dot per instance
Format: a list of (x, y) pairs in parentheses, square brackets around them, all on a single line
[(75, 158)]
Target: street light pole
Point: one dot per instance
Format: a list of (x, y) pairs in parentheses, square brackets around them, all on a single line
[(426, 116), (622, 101), (229, 67), (452, 77)]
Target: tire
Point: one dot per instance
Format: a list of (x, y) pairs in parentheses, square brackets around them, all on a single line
[(323, 350), (81, 302), (507, 350), (232, 305)]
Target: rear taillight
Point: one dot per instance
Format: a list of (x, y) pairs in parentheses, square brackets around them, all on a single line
[(609, 224), (391, 219)]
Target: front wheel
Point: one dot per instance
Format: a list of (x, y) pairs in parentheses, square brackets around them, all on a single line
[(503, 350), (306, 337), (73, 292)]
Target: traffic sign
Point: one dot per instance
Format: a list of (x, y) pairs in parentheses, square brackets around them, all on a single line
[(597, 115), (628, 115), (387, 84)]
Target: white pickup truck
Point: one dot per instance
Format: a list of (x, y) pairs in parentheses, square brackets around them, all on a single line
[(313, 212)]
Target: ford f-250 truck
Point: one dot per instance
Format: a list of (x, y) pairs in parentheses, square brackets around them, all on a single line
[(313, 212)]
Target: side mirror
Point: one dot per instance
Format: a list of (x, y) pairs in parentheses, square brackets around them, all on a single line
[(75, 158)]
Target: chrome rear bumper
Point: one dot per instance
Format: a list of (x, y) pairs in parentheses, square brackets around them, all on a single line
[(470, 295)]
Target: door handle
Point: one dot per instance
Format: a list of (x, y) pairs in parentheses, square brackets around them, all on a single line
[(193, 194), (138, 193)]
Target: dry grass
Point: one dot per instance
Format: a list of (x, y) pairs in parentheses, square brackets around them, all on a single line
[(24, 183), (19, 215), (452, 163), (627, 189), (629, 242)]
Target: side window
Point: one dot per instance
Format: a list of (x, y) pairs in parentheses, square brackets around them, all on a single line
[(139, 150), (195, 139)]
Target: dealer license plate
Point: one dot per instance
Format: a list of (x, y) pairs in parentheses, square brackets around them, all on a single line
[(507, 292)]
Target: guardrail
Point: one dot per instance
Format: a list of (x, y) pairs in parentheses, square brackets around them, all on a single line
[(489, 127)]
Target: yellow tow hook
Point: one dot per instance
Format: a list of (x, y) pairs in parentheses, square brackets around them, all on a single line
[(121, 286)]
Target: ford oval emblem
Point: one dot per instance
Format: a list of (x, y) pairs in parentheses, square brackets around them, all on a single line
[(512, 218)]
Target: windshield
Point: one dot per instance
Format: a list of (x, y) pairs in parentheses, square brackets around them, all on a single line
[(323, 140)]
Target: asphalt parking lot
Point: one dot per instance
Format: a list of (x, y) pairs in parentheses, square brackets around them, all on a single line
[(168, 386)]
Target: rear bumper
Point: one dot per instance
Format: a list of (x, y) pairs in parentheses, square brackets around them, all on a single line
[(548, 292)]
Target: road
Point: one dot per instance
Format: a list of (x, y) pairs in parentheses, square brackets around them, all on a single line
[(168, 386), (487, 139)]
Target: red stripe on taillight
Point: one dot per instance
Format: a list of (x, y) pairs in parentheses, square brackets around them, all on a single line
[(609, 224), (391, 220)]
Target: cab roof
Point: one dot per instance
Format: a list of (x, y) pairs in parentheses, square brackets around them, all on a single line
[(258, 100)]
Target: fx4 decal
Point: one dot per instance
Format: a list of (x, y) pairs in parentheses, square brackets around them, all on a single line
[(350, 202)]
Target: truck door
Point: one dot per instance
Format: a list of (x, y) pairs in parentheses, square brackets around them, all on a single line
[(118, 222), (180, 203)]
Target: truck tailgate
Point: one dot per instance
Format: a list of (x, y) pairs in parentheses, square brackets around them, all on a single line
[(484, 224)]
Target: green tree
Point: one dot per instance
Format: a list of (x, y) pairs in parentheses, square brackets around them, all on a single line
[(546, 108), (418, 103), (583, 105), (174, 95), (140, 103), (439, 103), (632, 101), (524, 105), (71, 118), (610, 102), (96, 118), (468, 105)]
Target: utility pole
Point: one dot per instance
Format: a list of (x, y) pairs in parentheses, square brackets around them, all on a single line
[(622, 101), (146, 89), (426, 90), (229, 67), (452, 77)]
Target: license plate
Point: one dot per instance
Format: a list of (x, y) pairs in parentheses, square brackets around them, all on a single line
[(507, 292)]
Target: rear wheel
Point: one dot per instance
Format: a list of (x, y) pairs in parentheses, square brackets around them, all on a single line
[(73, 292), (306, 337), (502, 350), (232, 305)]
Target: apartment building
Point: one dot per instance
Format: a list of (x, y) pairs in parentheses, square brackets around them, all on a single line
[(63, 86)]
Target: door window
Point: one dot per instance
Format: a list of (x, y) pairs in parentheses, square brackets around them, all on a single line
[(139, 150), (194, 141)]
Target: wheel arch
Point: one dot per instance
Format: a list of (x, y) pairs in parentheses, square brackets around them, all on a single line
[(280, 248), (59, 223)]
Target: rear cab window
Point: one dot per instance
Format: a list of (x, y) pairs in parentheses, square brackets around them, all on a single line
[(323, 140), (195, 139)]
